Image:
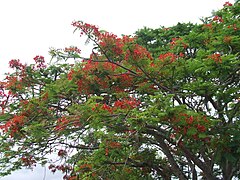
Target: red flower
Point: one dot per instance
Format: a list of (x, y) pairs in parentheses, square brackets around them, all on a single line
[(62, 123), (138, 53), (189, 120), (227, 4), (15, 63), (62, 153), (218, 19), (209, 26), (167, 56), (216, 57), (107, 108), (181, 54), (201, 128), (106, 152), (113, 144), (87, 29), (40, 62), (127, 103), (119, 103), (13, 125), (70, 74), (28, 161), (72, 49), (96, 106), (112, 43)]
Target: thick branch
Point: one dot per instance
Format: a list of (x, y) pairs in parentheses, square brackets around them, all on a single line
[(176, 170), (206, 169)]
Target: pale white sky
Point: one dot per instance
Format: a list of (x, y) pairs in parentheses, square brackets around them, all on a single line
[(30, 27)]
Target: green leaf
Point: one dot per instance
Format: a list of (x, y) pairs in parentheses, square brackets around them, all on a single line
[(191, 131)]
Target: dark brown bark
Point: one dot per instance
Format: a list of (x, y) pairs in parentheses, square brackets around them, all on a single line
[(174, 166), (207, 170), (227, 170)]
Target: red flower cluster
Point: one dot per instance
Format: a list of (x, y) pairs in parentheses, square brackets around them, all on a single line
[(13, 82), (127, 39), (83, 82), (234, 27), (63, 123), (90, 66), (62, 153), (218, 19), (125, 80), (62, 167), (86, 28), (72, 49), (181, 54), (107, 66), (84, 85), (108, 41), (167, 56), (15, 63), (70, 74), (138, 53), (208, 26), (111, 43), (101, 76), (216, 57), (107, 108), (111, 145), (40, 62), (227, 4), (189, 120), (28, 161), (13, 125), (201, 128), (192, 122), (127, 103)]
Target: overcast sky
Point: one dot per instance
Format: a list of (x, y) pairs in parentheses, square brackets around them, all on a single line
[(30, 27)]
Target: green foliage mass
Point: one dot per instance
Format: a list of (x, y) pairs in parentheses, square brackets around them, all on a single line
[(163, 104)]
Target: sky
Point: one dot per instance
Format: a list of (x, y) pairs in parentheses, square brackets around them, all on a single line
[(30, 27)]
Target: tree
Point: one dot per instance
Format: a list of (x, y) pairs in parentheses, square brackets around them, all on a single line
[(161, 105)]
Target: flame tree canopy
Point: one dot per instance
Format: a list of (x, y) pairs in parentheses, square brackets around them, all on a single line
[(162, 104)]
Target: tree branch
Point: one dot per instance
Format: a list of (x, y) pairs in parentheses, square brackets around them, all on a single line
[(174, 166), (206, 169)]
